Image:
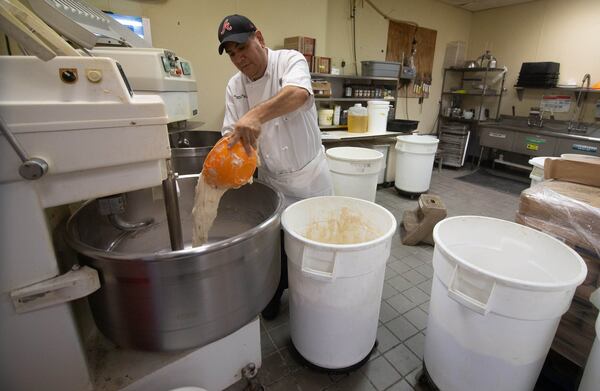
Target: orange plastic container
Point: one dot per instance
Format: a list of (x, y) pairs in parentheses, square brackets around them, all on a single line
[(226, 167)]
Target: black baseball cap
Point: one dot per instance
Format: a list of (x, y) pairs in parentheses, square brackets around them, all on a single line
[(235, 28)]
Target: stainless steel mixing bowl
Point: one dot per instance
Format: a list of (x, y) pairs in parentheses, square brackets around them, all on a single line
[(153, 298)]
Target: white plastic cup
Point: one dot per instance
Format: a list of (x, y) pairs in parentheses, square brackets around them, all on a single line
[(378, 115)]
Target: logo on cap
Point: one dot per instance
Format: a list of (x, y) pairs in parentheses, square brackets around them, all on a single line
[(226, 26)]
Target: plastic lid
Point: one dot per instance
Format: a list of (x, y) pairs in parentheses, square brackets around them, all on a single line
[(357, 109), (538, 161), (416, 139), (354, 154), (378, 103)]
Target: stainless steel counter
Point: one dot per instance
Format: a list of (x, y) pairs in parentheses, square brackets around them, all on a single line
[(552, 139)]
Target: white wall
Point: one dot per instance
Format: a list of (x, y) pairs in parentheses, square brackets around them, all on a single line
[(567, 32), (451, 23), (189, 27), (546, 30)]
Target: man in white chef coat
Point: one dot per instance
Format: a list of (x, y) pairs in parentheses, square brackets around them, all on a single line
[(270, 103)]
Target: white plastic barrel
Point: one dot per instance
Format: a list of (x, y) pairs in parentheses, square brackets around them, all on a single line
[(384, 149), (498, 292), (378, 115), (414, 162), (335, 289), (591, 375), (354, 171), (537, 172)]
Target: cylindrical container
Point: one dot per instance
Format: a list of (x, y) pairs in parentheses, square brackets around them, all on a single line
[(335, 289), (499, 290), (537, 172), (325, 117), (591, 375), (344, 117), (384, 149), (378, 115), (348, 91), (152, 298), (414, 162), (357, 119), (336, 114), (354, 171)]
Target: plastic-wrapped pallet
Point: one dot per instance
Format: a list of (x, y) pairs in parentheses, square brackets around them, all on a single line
[(570, 212)]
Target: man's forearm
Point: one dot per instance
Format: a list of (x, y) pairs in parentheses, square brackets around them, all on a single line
[(289, 99)]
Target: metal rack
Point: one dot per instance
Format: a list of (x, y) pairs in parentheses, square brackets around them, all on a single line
[(454, 140), (454, 132), (338, 83)]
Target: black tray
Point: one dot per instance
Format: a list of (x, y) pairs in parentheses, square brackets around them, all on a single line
[(540, 67), (401, 125)]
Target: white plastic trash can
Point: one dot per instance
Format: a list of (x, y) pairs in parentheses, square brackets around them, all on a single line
[(537, 172), (384, 149), (414, 162), (590, 380), (378, 115), (354, 171), (498, 292), (337, 248)]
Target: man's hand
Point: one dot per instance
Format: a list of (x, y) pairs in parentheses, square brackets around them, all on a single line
[(246, 130)]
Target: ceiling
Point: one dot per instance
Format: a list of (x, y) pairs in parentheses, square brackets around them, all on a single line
[(480, 5)]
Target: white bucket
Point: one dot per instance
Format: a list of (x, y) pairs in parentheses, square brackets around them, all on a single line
[(384, 149), (537, 172), (499, 290), (354, 171), (378, 115), (591, 375), (335, 289), (326, 117), (414, 162)]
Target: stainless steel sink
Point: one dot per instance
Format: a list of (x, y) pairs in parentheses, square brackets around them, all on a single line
[(552, 139)]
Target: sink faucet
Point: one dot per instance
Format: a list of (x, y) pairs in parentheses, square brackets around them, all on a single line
[(576, 126), (536, 118)]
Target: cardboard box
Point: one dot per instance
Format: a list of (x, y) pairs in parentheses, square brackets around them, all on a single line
[(581, 169), (309, 60), (571, 213), (570, 210), (321, 88), (321, 65), (304, 45)]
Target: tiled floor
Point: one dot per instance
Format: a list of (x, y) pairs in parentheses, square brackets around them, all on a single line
[(403, 314)]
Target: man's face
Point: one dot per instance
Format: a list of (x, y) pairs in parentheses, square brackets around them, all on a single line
[(249, 57)]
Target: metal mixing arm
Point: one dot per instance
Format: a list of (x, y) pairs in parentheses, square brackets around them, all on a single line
[(172, 208), (31, 167)]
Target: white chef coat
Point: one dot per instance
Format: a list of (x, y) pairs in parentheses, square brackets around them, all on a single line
[(290, 152)]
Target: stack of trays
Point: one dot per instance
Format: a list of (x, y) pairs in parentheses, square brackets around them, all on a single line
[(454, 139), (538, 74)]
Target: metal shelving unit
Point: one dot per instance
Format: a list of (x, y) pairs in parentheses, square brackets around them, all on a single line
[(574, 90), (454, 132), (338, 84)]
